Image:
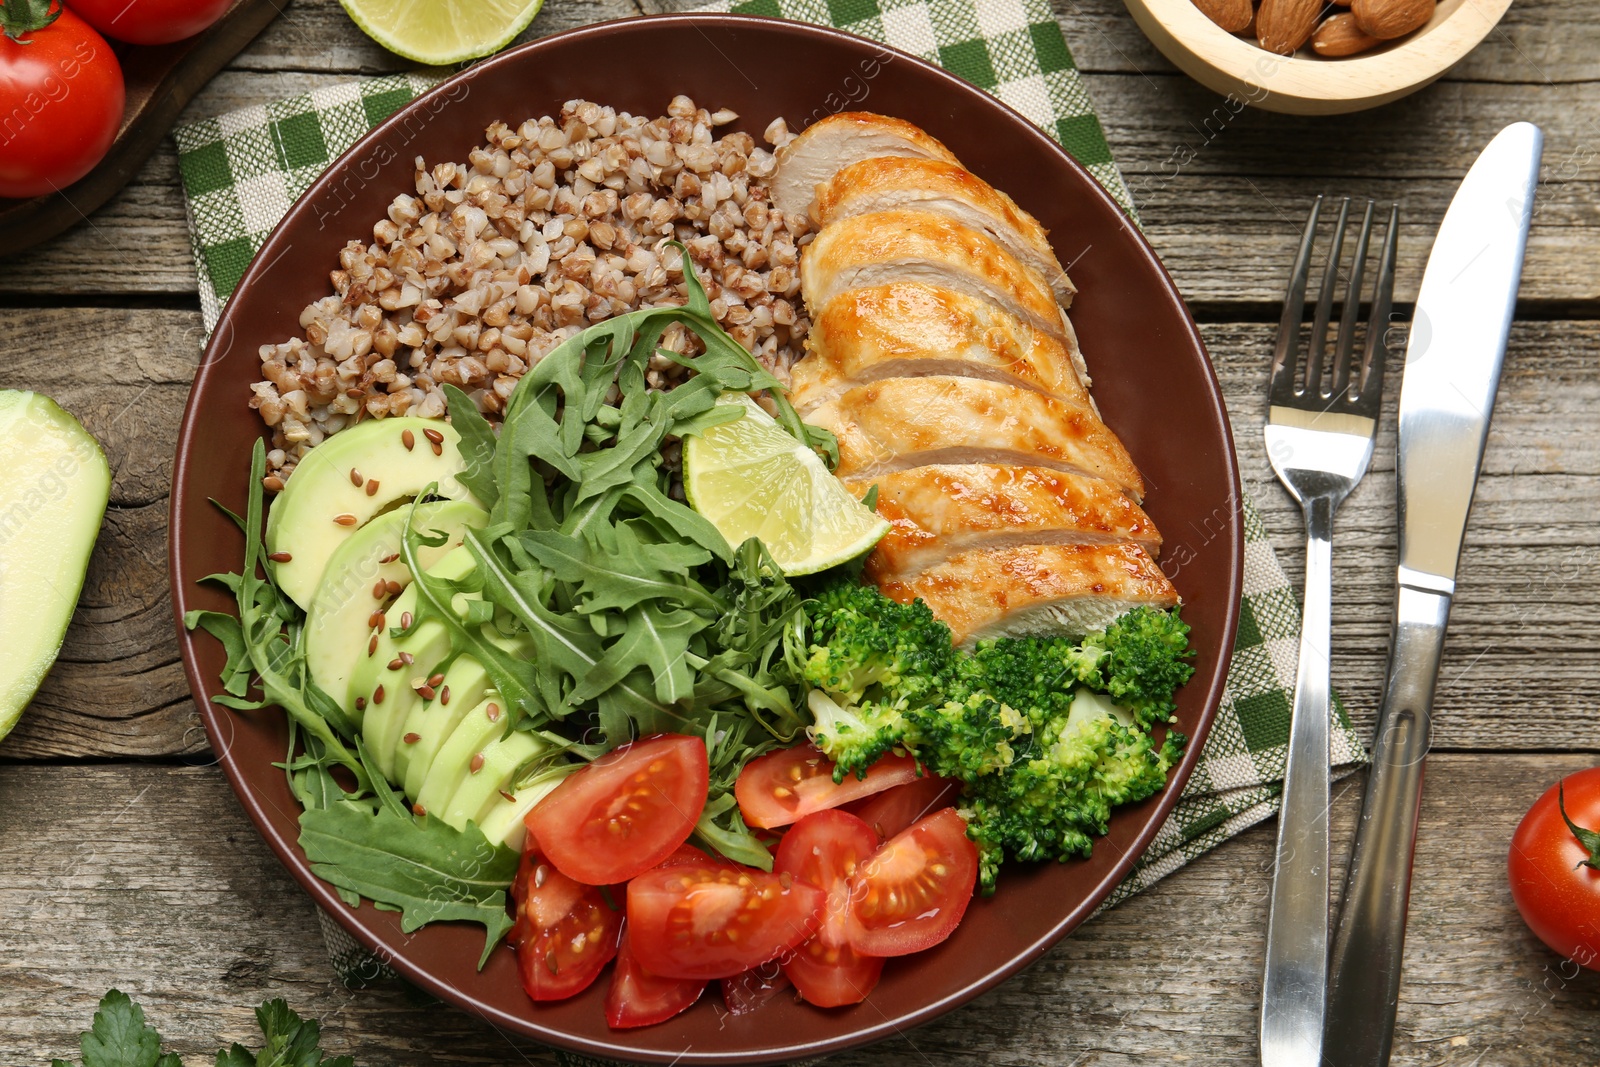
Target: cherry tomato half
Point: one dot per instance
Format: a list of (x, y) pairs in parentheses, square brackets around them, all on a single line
[(564, 933), (782, 786), (1556, 893), (639, 998), (625, 812), (150, 21), (893, 810), (61, 98), (713, 921), (911, 893), (825, 849)]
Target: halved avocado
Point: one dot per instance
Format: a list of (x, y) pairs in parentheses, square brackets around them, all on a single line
[(398, 661), (54, 485), (345, 481), (337, 630), (502, 821)]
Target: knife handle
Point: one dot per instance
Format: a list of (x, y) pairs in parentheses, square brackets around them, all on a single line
[(1369, 944)]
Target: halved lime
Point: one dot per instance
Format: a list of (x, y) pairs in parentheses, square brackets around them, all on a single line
[(442, 32), (750, 478)]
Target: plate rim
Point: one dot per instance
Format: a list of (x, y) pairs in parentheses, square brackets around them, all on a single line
[(353, 919)]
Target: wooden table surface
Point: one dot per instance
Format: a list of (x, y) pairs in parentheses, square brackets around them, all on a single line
[(126, 861)]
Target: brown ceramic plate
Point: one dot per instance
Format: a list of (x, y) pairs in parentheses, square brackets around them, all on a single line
[(1153, 382)]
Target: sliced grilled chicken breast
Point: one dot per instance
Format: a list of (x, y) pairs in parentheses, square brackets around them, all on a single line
[(899, 423), (886, 183), (1036, 589), (941, 511), (920, 246), (909, 329), (837, 141)]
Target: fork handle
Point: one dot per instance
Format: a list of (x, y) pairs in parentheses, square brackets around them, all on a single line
[(1365, 981), (1294, 984)]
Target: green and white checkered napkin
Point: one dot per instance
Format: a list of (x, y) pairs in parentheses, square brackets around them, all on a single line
[(242, 171)]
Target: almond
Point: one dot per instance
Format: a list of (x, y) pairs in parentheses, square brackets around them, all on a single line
[(1340, 36), (1282, 26), (1388, 19), (1231, 15)]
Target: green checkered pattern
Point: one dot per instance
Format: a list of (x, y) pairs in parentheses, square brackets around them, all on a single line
[(242, 171)]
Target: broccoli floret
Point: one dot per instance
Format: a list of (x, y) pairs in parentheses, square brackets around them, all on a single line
[(1053, 803), (866, 646), (854, 736), (1048, 734), (873, 662), (1139, 660)]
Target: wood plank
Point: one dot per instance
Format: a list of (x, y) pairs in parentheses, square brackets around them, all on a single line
[(175, 900), (1223, 195), (1524, 637)]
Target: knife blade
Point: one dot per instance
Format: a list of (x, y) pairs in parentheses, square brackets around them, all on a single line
[(1454, 353)]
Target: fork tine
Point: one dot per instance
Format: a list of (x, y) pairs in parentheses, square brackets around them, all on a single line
[(1318, 347), (1346, 342), (1280, 389), (1369, 398)]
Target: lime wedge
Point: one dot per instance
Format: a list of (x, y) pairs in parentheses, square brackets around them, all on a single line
[(750, 478), (442, 32)]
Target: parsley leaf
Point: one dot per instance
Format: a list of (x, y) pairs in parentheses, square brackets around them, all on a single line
[(119, 1037)]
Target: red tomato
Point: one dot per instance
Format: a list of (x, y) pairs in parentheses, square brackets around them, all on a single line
[(150, 21), (639, 998), (825, 849), (913, 891), (1557, 893), (61, 98), (689, 856), (713, 921), (893, 810), (782, 786), (748, 990), (564, 933), (625, 812)]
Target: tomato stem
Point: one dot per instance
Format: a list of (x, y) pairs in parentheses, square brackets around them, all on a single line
[(18, 17), (1589, 839)]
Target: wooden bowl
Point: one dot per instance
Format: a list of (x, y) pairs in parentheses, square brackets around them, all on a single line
[(1307, 84)]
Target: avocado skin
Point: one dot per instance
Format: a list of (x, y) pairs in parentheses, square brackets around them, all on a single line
[(54, 488)]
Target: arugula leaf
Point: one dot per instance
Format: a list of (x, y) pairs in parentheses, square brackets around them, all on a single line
[(477, 446), (418, 865)]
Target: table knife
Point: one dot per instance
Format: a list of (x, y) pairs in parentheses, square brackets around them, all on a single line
[(1454, 352)]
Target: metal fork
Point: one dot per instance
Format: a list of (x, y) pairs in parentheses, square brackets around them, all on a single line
[(1319, 433)]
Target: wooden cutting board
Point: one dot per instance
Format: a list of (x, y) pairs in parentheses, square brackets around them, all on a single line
[(161, 80)]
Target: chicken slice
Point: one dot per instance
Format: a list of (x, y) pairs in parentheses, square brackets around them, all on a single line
[(830, 144), (920, 246), (887, 183), (1036, 589), (908, 329), (939, 511), (898, 423)]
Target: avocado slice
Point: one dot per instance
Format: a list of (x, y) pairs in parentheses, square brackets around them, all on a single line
[(452, 765), (478, 791), (346, 480), (54, 486), (433, 723), (502, 821), (337, 630), (427, 645)]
